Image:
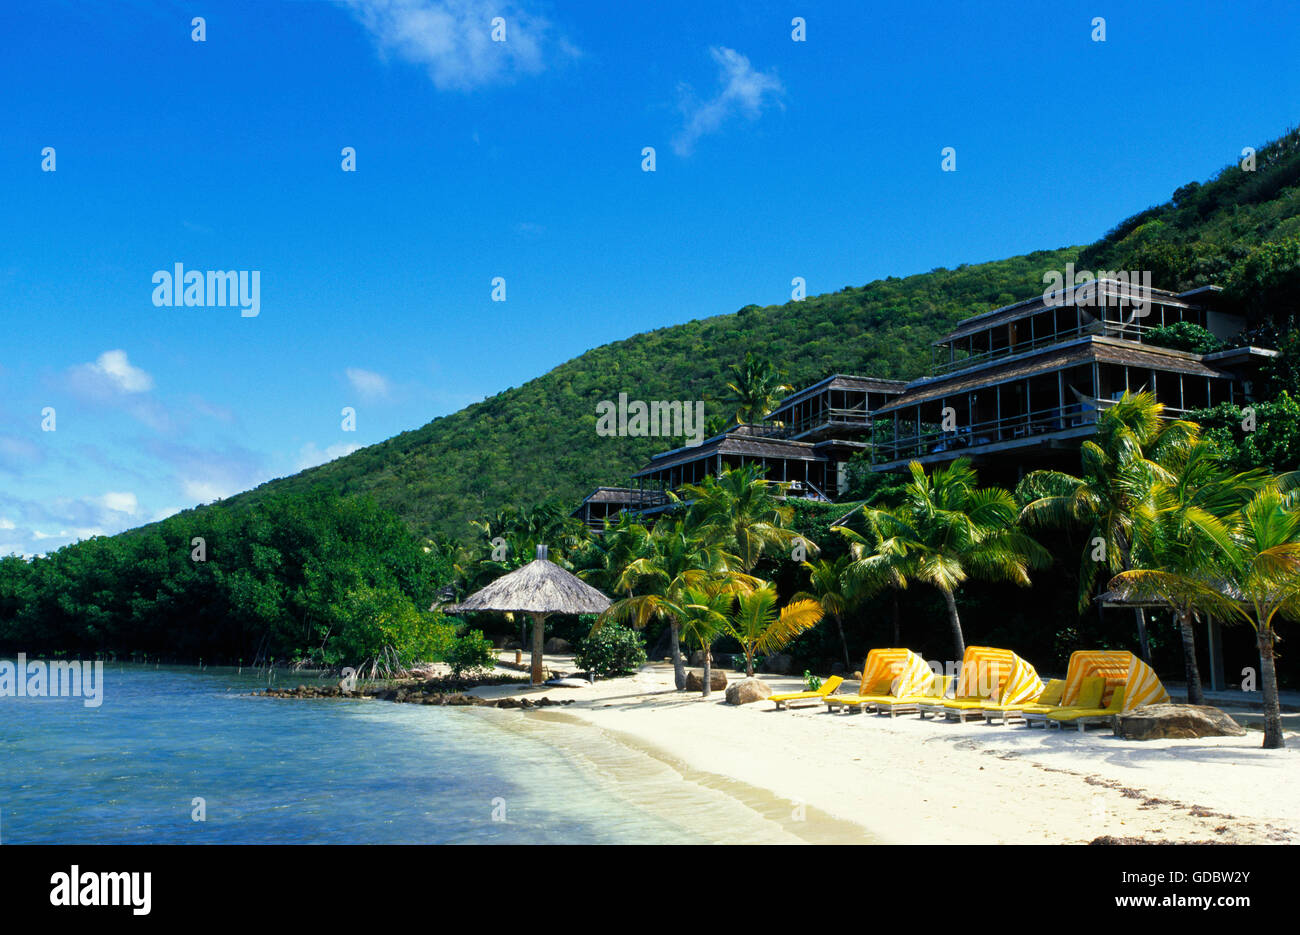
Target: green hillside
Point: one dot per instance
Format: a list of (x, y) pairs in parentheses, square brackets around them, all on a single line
[(538, 441)]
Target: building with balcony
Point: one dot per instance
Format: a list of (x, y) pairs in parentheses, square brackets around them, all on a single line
[(1022, 384), (1013, 389)]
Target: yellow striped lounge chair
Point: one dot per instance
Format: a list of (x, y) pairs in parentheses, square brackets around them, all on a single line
[(784, 699), (1082, 717), (989, 676), (938, 688), (886, 674), (1047, 699), (1088, 698), (1116, 669)]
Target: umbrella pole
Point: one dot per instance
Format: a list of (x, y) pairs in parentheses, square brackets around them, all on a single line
[(539, 622)]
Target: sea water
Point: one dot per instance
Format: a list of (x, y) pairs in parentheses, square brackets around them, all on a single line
[(179, 755)]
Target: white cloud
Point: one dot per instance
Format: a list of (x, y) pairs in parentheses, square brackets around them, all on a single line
[(744, 91), (311, 456), (369, 384), (6, 523), (112, 371), (453, 38), (71, 535), (205, 491), (120, 502)]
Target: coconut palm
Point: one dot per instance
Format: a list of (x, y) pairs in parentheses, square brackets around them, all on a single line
[(611, 552), (871, 569), (828, 586), (756, 386), (1258, 581), (947, 530), (737, 510), (676, 560), (1182, 528), (1118, 468), (759, 627), (704, 619)]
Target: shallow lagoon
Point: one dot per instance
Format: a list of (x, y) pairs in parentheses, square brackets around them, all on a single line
[(289, 771)]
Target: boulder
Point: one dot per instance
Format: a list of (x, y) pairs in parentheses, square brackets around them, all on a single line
[(695, 680), (1179, 721), (697, 658), (779, 663), (746, 691), (556, 645)]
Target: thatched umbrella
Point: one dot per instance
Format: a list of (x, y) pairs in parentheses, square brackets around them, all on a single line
[(539, 589)]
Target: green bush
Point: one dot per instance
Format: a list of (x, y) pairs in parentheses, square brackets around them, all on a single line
[(611, 651), (1184, 336), (471, 653)]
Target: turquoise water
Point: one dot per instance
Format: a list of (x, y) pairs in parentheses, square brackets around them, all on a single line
[(288, 771)]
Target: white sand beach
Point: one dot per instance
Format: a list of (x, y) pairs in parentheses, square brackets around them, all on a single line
[(805, 775)]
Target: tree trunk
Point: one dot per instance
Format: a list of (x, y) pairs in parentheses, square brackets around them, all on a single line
[(958, 640), (1268, 682), (1144, 648), (679, 668), (708, 672), (839, 625), (1195, 693), (897, 631), (539, 625), (749, 663)]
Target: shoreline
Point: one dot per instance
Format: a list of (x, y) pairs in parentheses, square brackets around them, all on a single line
[(864, 778)]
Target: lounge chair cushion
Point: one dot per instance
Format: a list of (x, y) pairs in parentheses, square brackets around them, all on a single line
[(1052, 693), (794, 696), (881, 686), (1090, 693), (1117, 700), (828, 686)]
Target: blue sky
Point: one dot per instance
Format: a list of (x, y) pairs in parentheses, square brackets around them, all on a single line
[(522, 159)]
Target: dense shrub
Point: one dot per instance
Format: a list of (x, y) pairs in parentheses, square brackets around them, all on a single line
[(470, 653), (610, 651), (1184, 336)]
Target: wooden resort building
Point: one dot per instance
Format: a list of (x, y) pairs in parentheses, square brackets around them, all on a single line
[(607, 502), (1013, 389), (1022, 384)]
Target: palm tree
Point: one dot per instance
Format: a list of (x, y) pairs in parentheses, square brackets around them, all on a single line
[(1257, 581), (618, 546), (828, 587), (870, 568), (756, 387), (703, 621), (1118, 469), (758, 627), (1182, 528), (945, 531), (676, 561), (737, 510)]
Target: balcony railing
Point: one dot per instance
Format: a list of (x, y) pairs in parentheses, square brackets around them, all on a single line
[(989, 432), (854, 416), (992, 431), (1130, 331)]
